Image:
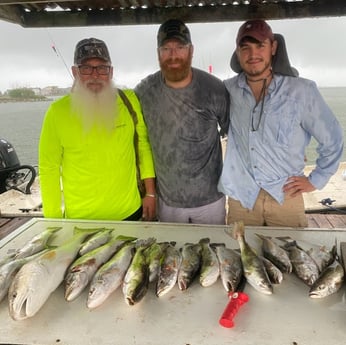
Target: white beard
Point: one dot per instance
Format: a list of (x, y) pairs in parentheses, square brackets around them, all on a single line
[(95, 109)]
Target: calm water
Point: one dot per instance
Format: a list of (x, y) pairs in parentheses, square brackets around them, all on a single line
[(20, 124)]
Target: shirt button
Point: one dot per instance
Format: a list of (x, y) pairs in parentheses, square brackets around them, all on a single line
[(255, 166)]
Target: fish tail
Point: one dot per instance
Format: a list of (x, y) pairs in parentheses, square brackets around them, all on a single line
[(145, 243), (205, 240), (238, 230)]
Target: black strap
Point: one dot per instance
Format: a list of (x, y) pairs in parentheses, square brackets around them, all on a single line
[(129, 106), (135, 138)]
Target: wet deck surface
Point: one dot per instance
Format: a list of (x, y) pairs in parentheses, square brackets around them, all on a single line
[(328, 221), (7, 225)]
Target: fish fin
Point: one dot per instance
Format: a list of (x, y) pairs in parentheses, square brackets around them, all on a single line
[(78, 230), (285, 239), (334, 249), (287, 242), (49, 247), (263, 237), (54, 229), (215, 245), (126, 238)]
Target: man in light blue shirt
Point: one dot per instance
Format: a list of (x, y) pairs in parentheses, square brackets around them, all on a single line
[(273, 115)]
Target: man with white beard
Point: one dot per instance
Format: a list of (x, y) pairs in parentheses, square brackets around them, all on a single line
[(87, 155), (184, 107)]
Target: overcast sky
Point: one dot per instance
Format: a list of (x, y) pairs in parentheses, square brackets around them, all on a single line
[(316, 47)]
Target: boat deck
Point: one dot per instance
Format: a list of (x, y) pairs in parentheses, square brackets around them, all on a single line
[(7, 225)]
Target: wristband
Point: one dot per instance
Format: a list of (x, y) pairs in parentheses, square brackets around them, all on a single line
[(150, 195)]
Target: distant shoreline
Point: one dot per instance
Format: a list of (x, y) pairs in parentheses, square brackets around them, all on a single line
[(17, 100)]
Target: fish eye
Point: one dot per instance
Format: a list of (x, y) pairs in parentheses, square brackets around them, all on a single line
[(263, 283)]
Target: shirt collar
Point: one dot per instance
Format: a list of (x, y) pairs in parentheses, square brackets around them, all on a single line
[(272, 86)]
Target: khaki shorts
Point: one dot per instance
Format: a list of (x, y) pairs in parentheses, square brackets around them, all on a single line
[(267, 211)]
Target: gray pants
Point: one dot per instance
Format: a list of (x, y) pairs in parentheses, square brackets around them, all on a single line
[(214, 213)]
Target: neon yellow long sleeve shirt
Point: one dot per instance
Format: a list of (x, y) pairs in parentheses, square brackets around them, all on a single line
[(93, 174)]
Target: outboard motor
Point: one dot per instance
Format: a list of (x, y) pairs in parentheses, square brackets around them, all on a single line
[(12, 174)]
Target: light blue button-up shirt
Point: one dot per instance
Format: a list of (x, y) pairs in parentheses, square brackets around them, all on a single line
[(264, 151)]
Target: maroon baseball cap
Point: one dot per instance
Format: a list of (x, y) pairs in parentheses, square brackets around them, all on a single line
[(257, 29)]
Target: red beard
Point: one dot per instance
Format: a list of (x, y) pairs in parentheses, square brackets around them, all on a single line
[(176, 73)]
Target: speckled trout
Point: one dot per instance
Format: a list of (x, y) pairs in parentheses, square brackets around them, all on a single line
[(190, 264), (329, 282), (210, 268), (82, 270), (231, 267), (9, 270), (136, 280), (169, 269), (110, 276), (277, 255), (253, 267), (37, 243), (37, 279)]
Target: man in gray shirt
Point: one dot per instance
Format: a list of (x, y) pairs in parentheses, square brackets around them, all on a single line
[(184, 108)]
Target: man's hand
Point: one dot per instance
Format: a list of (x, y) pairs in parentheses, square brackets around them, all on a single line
[(296, 185), (149, 207)]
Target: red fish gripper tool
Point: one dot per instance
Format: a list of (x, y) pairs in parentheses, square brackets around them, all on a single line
[(237, 299)]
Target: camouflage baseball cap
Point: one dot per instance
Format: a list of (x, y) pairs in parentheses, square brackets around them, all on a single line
[(91, 48), (173, 28)]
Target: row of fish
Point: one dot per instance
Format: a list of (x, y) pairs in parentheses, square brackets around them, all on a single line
[(104, 261), (316, 266), (141, 262)]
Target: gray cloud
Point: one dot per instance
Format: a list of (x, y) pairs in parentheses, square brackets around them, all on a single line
[(27, 58)]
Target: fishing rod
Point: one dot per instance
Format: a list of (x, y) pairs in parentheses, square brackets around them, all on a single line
[(58, 54)]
